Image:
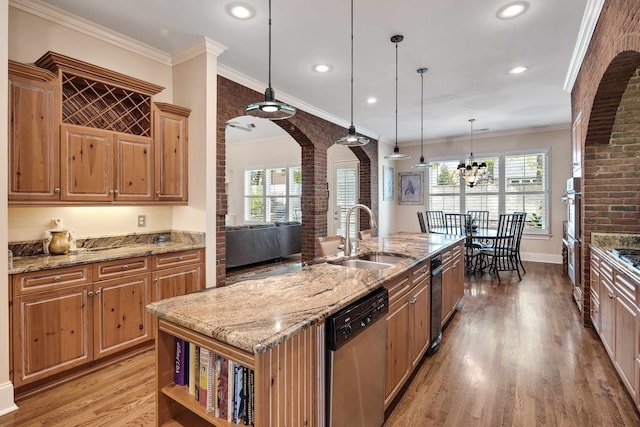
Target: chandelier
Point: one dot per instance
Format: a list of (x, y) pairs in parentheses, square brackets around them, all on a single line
[(472, 173)]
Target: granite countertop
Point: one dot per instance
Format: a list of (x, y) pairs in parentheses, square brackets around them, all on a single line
[(82, 256), (605, 242), (257, 314)]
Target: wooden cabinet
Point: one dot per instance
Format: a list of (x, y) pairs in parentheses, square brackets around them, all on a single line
[(452, 280), (596, 320), (52, 316), (171, 142), (177, 273), (33, 135), (408, 327)]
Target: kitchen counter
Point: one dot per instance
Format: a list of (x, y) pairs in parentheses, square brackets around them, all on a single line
[(605, 242), (83, 256), (255, 315)]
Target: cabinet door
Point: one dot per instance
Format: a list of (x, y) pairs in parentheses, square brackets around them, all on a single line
[(87, 164), (398, 343), (171, 143), (52, 333), (625, 347), (134, 168), (448, 283), (120, 318), (420, 316), (177, 281), (607, 316), (34, 147), (458, 284), (595, 275)]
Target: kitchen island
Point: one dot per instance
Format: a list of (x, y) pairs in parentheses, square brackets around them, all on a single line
[(274, 327)]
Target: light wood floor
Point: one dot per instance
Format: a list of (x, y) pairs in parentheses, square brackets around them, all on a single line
[(514, 355)]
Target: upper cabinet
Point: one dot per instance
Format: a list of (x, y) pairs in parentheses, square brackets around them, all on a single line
[(576, 145), (82, 134)]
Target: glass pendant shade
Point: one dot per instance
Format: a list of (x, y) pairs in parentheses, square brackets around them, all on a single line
[(472, 173), (421, 163), (270, 108), (352, 139), (396, 155)]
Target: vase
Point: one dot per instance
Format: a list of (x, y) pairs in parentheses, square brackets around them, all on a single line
[(59, 242)]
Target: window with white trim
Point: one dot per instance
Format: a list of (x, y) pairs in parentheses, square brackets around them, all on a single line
[(514, 182), (273, 194)]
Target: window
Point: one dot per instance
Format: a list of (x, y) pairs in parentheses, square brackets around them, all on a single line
[(272, 194), (515, 182)]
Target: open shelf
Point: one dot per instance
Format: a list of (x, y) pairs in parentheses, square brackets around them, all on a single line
[(196, 414)]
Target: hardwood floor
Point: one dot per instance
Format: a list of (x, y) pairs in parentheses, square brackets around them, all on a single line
[(514, 355)]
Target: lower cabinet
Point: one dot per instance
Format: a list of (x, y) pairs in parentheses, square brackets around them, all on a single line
[(66, 317), (452, 280)]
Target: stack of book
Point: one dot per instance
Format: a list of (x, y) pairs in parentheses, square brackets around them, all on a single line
[(223, 387)]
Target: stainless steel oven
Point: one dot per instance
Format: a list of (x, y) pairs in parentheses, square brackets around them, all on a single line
[(574, 241)]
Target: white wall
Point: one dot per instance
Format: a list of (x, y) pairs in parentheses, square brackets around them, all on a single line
[(6, 388), (264, 153), (558, 144), (387, 208)]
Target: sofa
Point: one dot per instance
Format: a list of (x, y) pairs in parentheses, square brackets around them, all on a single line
[(253, 243)]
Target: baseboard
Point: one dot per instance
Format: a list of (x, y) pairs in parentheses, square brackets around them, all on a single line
[(6, 399), (545, 258)]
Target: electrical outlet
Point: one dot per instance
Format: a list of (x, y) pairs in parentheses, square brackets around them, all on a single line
[(142, 220)]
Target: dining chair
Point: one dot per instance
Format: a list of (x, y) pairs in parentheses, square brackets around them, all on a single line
[(521, 224), (330, 245), (365, 234), (502, 254), (456, 223), (435, 219), (479, 218), (423, 228)]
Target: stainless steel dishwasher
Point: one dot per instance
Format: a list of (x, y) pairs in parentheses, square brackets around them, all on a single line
[(355, 366)]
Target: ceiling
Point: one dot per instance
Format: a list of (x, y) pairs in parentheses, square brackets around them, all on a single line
[(467, 49)]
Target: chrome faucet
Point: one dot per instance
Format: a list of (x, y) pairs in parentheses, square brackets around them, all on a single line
[(347, 239)]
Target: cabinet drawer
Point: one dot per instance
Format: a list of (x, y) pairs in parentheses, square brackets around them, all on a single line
[(398, 287), (420, 272), (625, 286), (606, 270), (45, 280), (120, 267), (176, 259)]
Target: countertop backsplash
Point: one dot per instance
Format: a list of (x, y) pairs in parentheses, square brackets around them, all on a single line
[(34, 247)]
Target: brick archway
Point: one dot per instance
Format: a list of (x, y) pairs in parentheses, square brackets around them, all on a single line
[(315, 136)]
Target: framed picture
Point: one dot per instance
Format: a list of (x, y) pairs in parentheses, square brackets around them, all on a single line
[(387, 183), (410, 188)]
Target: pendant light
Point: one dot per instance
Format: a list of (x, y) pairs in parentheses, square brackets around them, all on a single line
[(352, 140), (421, 163), (472, 173), (270, 108), (396, 155)]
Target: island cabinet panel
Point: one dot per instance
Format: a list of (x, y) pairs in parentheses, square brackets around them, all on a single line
[(120, 318), (626, 342), (87, 164), (52, 332), (289, 379), (33, 138), (171, 143)]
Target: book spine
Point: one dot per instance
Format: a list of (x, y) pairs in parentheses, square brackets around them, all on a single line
[(196, 376), (181, 362), (223, 386), (215, 390), (204, 376), (192, 369), (230, 394), (245, 394), (237, 393), (251, 403), (211, 385)]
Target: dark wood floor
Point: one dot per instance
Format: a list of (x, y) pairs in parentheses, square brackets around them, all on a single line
[(514, 355)]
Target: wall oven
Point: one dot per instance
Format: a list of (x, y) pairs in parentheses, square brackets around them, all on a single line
[(574, 241)]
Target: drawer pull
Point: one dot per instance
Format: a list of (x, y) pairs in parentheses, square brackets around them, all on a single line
[(98, 292), (56, 190), (412, 301), (90, 293), (180, 258), (57, 278), (610, 295), (593, 310), (125, 267)]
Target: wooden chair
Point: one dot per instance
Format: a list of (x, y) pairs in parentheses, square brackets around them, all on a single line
[(329, 245), (502, 255), (435, 219), (423, 228), (365, 234)]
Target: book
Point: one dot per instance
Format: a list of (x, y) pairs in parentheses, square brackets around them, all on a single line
[(215, 389), (223, 386), (230, 390), (251, 397), (196, 375), (243, 417), (204, 376), (212, 389), (180, 374), (237, 393), (192, 368)]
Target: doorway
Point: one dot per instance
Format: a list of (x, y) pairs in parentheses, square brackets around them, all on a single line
[(344, 194)]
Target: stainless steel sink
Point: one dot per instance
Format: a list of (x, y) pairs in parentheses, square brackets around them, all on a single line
[(383, 258), (361, 263)]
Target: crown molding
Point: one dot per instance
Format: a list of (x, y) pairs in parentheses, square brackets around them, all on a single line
[(259, 87), (61, 17), (588, 25), (197, 48)]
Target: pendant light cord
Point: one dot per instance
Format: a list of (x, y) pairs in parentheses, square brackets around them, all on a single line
[(351, 62), (471, 121), (421, 115), (396, 94), (269, 43)]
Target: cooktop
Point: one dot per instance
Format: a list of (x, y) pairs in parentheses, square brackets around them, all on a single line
[(629, 255)]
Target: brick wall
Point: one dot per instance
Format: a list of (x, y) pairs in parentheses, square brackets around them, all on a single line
[(607, 94), (315, 136)]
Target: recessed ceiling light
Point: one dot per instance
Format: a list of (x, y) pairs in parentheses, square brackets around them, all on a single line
[(372, 100), (240, 11), (518, 70), (512, 10), (322, 68)]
